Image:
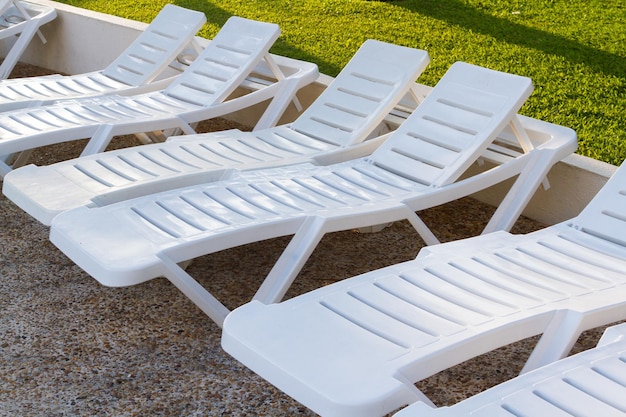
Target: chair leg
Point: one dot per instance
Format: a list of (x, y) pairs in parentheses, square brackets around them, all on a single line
[(210, 305), (518, 196), (567, 325), (17, 49), (557, 340), (21, 159), (5, 168), (425, 233), (99, 141), (291, 261)]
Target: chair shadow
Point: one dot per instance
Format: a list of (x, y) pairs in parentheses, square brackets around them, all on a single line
[(459, 14), (218, 16), (456, 13)]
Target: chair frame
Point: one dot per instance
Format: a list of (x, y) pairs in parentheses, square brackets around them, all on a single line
[(491, 290), (152, 116), (590, 383), (167, 238), (148, 57), (374, 82), (23, 21)]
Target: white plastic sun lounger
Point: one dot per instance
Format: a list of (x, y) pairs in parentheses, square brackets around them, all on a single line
[(146, 57), (201, 92), (589, 384), (358, 346), (20, 21), (347, 113), (136, 240)]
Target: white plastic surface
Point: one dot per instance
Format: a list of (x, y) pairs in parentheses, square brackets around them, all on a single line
[(199, 93), (589, 384), (22, 20), (146, 57), (469, 105), (374, 81), (136, 240), (356, 348)]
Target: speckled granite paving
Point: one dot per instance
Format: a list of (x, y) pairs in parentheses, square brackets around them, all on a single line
[(71, 347)]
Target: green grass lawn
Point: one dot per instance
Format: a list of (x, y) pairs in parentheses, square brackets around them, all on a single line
[(574, 51)]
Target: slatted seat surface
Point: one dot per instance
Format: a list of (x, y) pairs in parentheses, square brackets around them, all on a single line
[(45, 191), (197, 94), (558, 281), (139, 64), (591, 383), (304, 200)]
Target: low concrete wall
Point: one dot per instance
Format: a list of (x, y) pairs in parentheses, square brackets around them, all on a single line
[(573, 183), (80, 40)]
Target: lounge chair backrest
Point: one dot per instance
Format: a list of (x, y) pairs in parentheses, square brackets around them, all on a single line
[(469, 107), (156, 47), (605, 215), (361, 94), (226, 61)]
